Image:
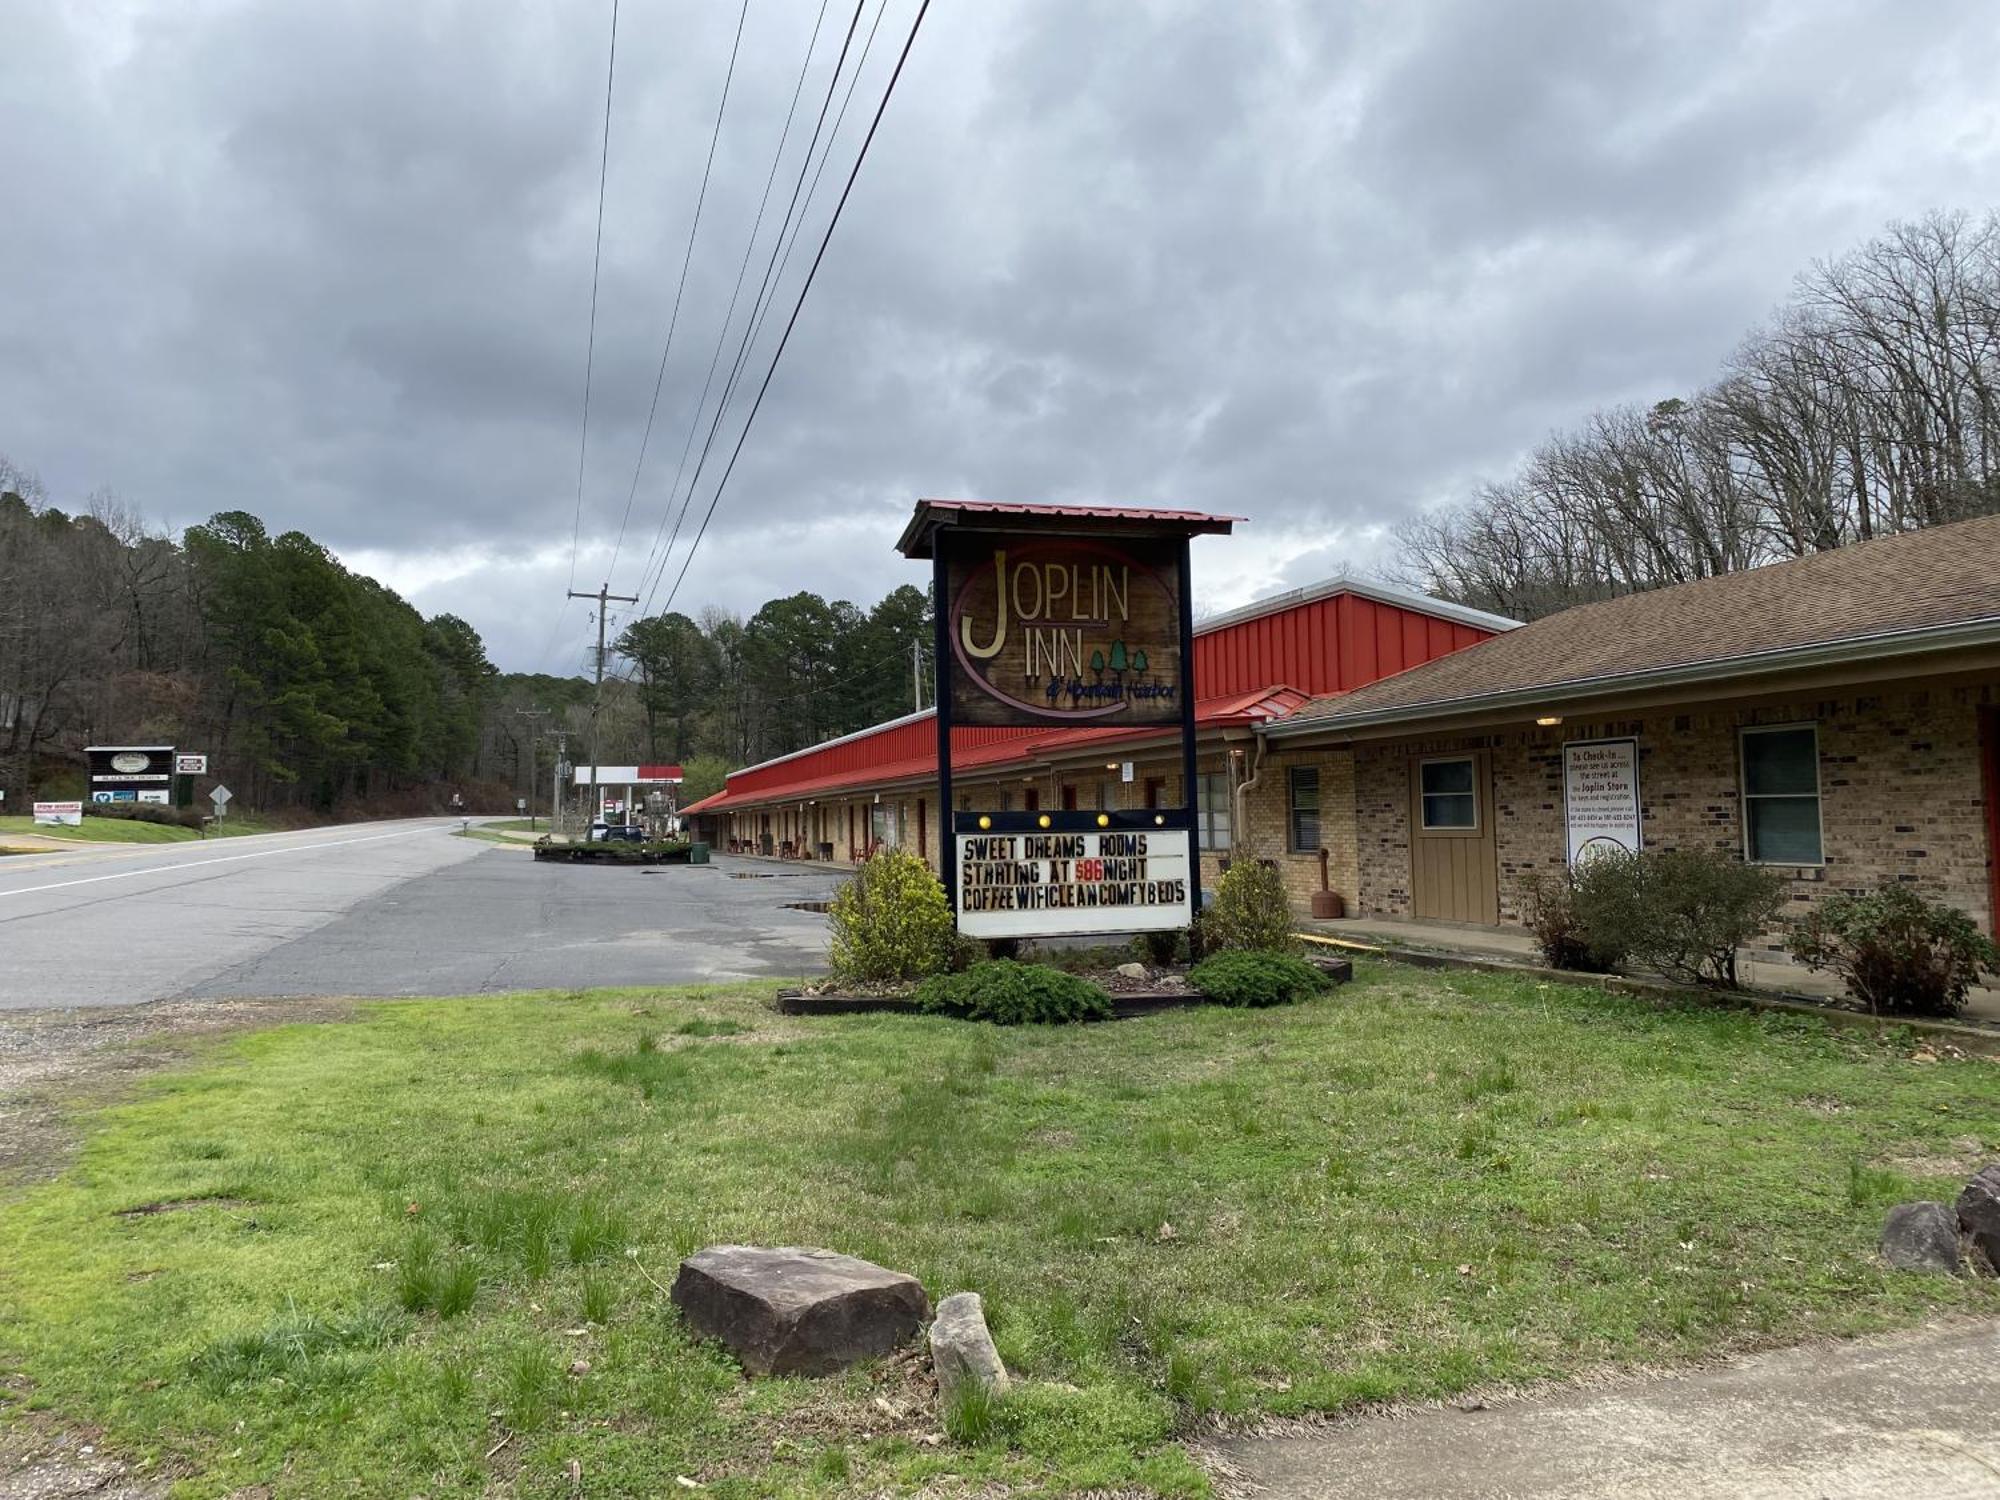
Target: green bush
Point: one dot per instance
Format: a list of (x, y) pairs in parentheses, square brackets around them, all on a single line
[(1559, 933), (1245, 978), (891, 922), (146, 812), (1900, 954), (1683, 912), (1014, 994), (1161, 948), (1249, 912)]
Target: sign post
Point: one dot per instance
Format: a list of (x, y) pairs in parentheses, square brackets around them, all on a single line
[(1077, 618)]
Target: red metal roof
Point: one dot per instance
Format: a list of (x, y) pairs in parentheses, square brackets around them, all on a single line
[(1251, 666), (930, 514), (892, 754)]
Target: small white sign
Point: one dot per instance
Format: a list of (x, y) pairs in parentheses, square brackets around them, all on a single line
[(520, 804), (1125, 771), (65, 813), (1601, 797), (1059, 884), (190, 765), (124, 776), (221, 798), (161, 798)]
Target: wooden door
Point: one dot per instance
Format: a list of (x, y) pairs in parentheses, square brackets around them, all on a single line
[(1454, 869)]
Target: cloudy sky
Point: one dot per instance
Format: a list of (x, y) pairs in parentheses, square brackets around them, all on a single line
[(1319, 264)]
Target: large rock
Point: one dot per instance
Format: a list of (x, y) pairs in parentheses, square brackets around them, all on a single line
[(794, 1311), (962, 1350), (1979, 1212), (1921, 1237)]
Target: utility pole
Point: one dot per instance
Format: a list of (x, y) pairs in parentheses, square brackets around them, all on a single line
[(556, 783), (604, 597), (917, 672), (534, 716)]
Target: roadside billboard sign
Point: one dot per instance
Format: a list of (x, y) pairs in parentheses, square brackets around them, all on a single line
[(69, 814), (124, 771), (1077, 617)]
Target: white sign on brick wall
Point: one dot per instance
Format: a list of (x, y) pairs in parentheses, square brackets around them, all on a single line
[(1601, 797)]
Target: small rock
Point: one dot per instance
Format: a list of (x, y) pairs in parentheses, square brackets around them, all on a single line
[(961, 1348), (579, 1367), (1130, 971), (1979, 1212), (797, 1311), (1921, 1237)]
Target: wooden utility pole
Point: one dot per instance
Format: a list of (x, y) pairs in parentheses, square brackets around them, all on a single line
[(604, 597), (534, 716), (917, 673)]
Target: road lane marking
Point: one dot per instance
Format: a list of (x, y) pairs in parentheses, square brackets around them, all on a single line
[(226, 859)]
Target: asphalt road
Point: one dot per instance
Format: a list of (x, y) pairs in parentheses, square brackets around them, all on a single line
[(379, 909)]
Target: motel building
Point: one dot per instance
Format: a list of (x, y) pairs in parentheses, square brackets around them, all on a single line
[(842, 799), (1835, 717)]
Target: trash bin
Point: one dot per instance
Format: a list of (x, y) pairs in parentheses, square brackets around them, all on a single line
[(697, 854)]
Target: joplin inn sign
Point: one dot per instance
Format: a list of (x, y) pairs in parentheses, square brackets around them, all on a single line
[(1064, 618)]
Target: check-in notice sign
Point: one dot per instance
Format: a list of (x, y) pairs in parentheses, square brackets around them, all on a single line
[(1601, 798), (1042, 883)]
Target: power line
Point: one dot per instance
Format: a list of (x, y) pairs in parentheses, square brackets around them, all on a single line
[(793, 322), (687, 259), (757, 302), (596, 263)]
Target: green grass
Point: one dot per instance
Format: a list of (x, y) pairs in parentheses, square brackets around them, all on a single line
[(409, 1238), (126, 830)]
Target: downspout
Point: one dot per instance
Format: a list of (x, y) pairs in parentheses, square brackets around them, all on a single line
[(1240, 796)]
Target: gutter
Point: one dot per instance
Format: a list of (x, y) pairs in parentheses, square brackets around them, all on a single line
[(1981, 632)]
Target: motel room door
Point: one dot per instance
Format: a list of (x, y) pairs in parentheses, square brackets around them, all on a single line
[(1454, 867)]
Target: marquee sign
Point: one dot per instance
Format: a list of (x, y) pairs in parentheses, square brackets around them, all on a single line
[(1068, 616), (1019, 879), (1601, 798), (1064, 630)]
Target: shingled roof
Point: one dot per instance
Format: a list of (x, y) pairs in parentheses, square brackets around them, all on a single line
[(1892, 593)]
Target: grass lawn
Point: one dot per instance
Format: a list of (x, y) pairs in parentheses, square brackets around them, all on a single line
[(125, 830), (423, 1252)]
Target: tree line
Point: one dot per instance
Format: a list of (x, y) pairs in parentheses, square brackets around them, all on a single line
[(1869, 404), (309, 686), (718, 691)]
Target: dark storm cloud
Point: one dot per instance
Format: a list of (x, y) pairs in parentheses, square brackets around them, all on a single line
[(1317, 264)]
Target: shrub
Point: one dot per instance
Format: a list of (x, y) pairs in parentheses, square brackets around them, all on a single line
[(1014, 994), (1558, 929), (1900, 954), (891, 922), (146, 812), (1161, 948), (1684, 912), (1246, 978), (1249, 911)]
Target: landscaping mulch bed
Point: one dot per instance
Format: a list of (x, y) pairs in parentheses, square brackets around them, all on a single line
[(1162, 990)]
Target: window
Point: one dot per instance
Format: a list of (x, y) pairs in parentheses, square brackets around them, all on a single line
[(1211, 810), (1781, 796), (1305, 809), (1449, 799)]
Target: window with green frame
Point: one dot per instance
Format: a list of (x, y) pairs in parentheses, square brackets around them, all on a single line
[(1303, 808), (1781, 823)]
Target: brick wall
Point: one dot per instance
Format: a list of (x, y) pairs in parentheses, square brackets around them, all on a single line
[(1901, 794)]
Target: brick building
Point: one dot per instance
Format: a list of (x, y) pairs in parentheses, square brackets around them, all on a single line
[(1833, 717), (837, 801)]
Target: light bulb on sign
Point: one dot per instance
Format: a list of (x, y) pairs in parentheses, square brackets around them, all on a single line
[(1104, 820), (984, 821), (1043, 820)]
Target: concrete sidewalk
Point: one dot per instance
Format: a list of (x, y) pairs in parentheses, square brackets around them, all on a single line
[(1905, 1415)]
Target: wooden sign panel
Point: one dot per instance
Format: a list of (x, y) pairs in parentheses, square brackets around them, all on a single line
[(1064, 630)]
